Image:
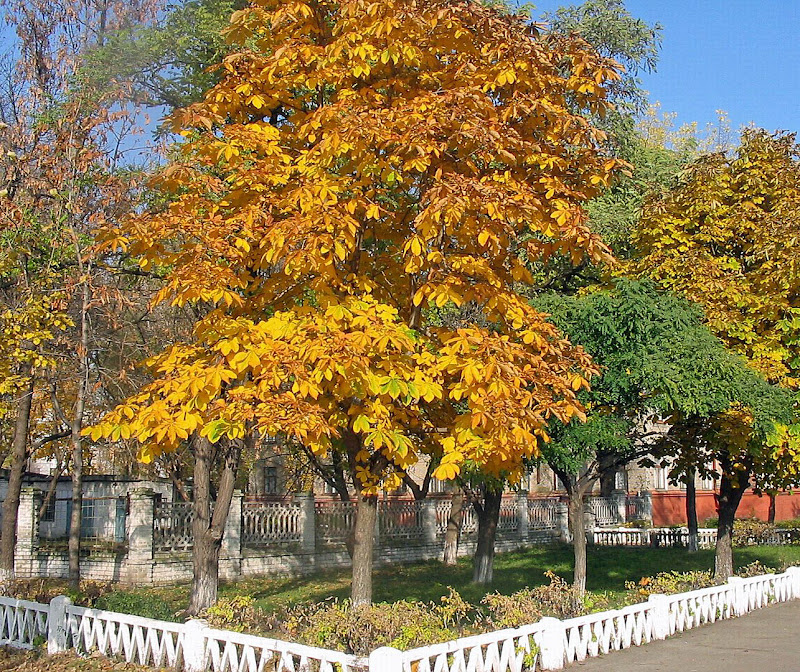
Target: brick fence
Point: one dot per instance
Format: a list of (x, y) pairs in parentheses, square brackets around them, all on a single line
[(149, 540)]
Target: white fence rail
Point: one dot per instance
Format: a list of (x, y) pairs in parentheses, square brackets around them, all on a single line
[(547, 645), (659, 537), (23, 623)]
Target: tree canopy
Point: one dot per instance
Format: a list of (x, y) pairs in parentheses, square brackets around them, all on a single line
[(726, 237), (358, 163)]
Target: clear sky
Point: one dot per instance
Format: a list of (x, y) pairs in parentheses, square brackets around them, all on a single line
[(741, 56)]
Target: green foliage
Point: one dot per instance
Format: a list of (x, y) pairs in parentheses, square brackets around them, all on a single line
[(168, 63), (614, 32), (668, 583), (138, 603), (755, 532)]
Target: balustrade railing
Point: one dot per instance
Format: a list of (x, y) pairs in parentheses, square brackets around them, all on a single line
[(605, 510), (663, 537), (334, 520), (270, 523), (509, 517), (172, 527), (636, 508), (400, 520), (542, 514)]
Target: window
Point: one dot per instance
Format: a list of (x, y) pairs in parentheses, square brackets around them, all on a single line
[(49, 515), (437, 487), (621, 480), (662, 475), (270, 480)]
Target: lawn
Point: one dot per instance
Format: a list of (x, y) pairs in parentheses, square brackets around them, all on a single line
[(609, 569)]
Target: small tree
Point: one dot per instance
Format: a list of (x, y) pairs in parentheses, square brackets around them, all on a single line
[(659, 363)]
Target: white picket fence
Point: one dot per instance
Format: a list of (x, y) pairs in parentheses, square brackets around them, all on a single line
[(549, 644)]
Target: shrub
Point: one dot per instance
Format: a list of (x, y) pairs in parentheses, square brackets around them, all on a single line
[(338, 625), (668, 583), (557, 599), (753, 532), (755, 568), (44, 590)]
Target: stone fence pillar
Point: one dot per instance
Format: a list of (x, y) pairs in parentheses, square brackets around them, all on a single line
[(522, 517), (27, 546), (647, 499), (562, 523), (589, 521), (308, 522), (140, 535), (619, 500), (57, 624), (429, 527), (232, 534)]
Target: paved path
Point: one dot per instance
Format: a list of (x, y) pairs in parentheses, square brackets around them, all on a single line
[(765, 640)]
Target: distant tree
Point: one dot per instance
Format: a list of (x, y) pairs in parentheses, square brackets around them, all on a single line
[(727, 236)]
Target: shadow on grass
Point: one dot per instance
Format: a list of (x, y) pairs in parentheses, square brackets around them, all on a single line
[(608, 570)]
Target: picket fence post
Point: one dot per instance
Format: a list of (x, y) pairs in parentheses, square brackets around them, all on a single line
[(57, 624), (195, 651), (386, 659), (739, 597), (551, 644), (660, 615)]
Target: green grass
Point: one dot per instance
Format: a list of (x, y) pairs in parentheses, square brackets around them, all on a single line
[(608, 570)]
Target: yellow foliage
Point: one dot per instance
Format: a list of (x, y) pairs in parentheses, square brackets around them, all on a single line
[(410, 147)]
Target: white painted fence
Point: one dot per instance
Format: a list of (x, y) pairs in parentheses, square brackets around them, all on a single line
[(549, 644), (663, 537)]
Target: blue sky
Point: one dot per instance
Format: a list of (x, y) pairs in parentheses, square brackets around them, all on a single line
[(741, 56)]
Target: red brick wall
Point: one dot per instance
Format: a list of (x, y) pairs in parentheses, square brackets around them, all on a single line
[(669, 508)]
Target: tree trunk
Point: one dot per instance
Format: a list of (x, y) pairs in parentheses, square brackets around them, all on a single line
[(208, 528), (77, 441), (453, 532), (607, 483), (578, 529), (730, 495), (363, 537), (771, 513), (19, 455), (691, 509), (488, 517)]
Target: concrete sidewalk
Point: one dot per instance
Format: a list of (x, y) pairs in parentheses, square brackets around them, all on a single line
[(765, 640)]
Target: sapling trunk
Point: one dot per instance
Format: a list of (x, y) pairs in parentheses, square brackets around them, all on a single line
[(19, 455)]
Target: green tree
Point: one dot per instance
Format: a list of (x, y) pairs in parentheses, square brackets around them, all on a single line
[(660, 363)]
